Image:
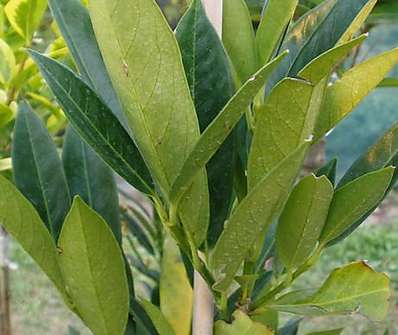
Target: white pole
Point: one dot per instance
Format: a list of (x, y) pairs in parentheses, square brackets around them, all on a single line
[(203, 305)]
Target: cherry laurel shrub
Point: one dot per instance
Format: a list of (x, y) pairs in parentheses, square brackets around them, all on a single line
[(214, 133)]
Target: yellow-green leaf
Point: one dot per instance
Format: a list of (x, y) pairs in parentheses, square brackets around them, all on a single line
[(7, 62), (302, 220), (159, 109), (159, 321), (25, 16), (242, 325), (346, 93), (175, 290), (94, 271), (23, 223)]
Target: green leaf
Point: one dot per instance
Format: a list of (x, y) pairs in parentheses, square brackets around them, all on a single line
[(355, 287), (328, 332), (7, 114), (211, 86), (251, 219), (216, 133), (5, 164), (323, 65), (318, 31), (290, 328), (93, 269), (95, 123), (382, 154), (176, 296), (353, 200), (282, 124), (23, 223), (239, 39), (25, 16), (159, 110), (346, 93), (242, 325), (161, 324), (302, 220), (328, 170), (90, 178), (38, 170), (274, 22), (74, 22), (7, 62)]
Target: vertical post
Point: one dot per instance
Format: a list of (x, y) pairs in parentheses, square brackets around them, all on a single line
[(203, 304), (5, 315)]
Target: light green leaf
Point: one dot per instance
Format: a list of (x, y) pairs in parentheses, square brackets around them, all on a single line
[(328, 332), (175, 291), (25, 16), (274, 22), (5, 164), (252, 218), (161, 324), (38, 170), (216, 133), (282, 124), (159, 110), (323, 65), (302, 220), (239, 39), (353, 200), (23, 223), (345, 94), (93, 269), (95, 122), (242, 325), (7, 62), (90, 178), (355, 287), (7, 114)]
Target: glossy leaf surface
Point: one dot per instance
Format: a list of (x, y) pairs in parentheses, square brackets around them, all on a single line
[(302, 220), (95, 123), (38, 170), (93, 269), (251, 219), (90, 178)]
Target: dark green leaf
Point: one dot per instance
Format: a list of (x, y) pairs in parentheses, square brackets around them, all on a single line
[(75, 24), (90, 178), (38, 170), (353, 200), (290, 328), (95, 123), (328, 170), (210, 81), (216, 133), (321, 29)]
